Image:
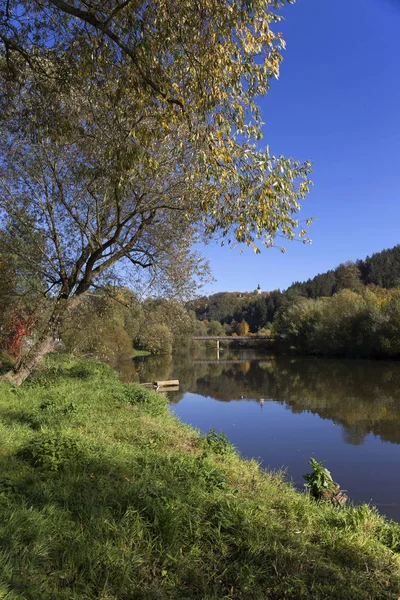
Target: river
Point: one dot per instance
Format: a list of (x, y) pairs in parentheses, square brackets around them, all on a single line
[(283, 410)]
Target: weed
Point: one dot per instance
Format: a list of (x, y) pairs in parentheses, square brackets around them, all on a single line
[(320, 481), (49, 451), (218, 442)]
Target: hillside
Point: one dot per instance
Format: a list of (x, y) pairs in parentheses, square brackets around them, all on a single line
[(258, 310), (381, 269)]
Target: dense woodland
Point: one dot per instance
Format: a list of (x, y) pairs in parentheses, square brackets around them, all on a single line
[(381, 269)]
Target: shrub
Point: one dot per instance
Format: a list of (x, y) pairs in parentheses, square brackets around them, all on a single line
[(6, 362), (152, 403), (365, 324)]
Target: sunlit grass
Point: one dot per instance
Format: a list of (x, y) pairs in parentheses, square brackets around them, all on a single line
[(105, 495)]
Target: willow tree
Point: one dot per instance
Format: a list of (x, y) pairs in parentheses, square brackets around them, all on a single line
[(130, 128)]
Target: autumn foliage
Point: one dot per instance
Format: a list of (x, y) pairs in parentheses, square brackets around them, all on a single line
[(19, 326), (243, 328)]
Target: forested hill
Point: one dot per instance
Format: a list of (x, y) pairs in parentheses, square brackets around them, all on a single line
[(258, 310), (381, 269)]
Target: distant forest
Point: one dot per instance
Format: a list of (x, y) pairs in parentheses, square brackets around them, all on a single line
[(258, 310), (381, 269), (351, 310)]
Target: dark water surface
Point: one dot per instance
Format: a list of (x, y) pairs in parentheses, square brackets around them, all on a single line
[(282, 411)]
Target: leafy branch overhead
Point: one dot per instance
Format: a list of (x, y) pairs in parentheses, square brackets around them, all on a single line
[(185, 75), (131, 130)]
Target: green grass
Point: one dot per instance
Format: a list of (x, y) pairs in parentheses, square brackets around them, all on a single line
[(105, 495)]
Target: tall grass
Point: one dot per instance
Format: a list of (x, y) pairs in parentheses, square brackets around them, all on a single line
[(105, 495)]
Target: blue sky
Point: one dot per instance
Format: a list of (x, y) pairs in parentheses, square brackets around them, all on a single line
[(337, 103)]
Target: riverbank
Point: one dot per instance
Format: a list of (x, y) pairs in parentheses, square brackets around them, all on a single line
[(104, 494)]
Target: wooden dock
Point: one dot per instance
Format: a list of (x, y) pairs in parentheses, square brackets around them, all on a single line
[(169, 385)]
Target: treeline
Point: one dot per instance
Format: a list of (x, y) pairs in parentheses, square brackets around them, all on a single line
[(111, 323), (258, 310), (345, 311), (353, 310), (237, 311), (381, 269), (347, 324)]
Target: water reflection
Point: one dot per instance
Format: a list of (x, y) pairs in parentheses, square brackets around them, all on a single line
[(282, 411), (362, 396)]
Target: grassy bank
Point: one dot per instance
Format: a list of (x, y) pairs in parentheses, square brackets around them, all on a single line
[(105, 495)]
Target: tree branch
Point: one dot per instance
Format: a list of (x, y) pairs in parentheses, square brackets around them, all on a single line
[(102, 26)]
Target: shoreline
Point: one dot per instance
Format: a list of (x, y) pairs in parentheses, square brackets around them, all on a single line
[(110, 496)]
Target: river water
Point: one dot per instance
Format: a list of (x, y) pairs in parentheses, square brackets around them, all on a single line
[(283, 410)]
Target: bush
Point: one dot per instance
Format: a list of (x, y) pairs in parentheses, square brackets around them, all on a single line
[(61, 365), (149, 401), (320, 480)]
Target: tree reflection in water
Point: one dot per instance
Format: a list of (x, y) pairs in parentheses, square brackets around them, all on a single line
[(362, 396)]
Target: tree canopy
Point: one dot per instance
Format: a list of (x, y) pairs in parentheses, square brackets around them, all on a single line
[(128, 130)]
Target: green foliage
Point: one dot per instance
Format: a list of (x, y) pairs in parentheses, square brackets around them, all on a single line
[(165, 326), (231, 308), (381, 269), (320, 480), (104, 325), (218, 442), (60, 365), (347, 324), (142, 511), (144, 118), (215, 328), (108, 322), (49, 451), (8, 284), (156, 338), (137, 395), (6, 362)]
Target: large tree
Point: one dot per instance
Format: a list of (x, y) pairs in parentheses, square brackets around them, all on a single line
[(128, 129)]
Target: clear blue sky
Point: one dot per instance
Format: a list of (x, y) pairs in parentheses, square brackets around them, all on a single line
[(337, 103)]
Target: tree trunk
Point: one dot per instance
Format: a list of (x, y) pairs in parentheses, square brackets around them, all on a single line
[(45, 343)]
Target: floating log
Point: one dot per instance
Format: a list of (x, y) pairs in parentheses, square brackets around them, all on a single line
[(170, 388), (171, 382)]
